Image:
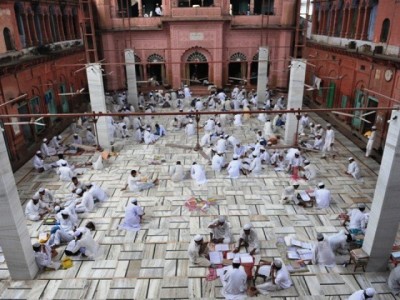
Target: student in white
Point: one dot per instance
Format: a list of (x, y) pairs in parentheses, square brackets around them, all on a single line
[(84, 201), (177, 172), (198, 174), (279, 279), (65, 172), (133, 216), (97, 192), (234, 167), (353, 169), (198, 252), (218, 162), (234, 281), (363, 294), (322, 253), (220, 231), (322, 196)]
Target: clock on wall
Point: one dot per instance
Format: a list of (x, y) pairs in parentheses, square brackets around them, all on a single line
[(388, 75)]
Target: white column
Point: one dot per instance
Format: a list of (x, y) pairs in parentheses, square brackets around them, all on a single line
[(385, 209), (295, 97), (131, 78), (98, 102), (262, 76), (14, 236)]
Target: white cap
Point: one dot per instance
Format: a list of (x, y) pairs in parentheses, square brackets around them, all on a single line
[(350, 158), (57, 208), (90, 128), (373, 127), (321, 184), (38, 152), (44, 140), (328, 124), (78, 191), (75, 134), (311, 124), (35, 197), (41, 190), (247, 226), (221, 219), (306, 161), (236, 260), (59, 137), (198, 238), (370, 292), (235, 156), (277, 263), (134, 200), (148, 129), (190, 121)]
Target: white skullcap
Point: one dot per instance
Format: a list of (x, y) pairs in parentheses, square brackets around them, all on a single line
[(198, 238), (321, 184), (373, 127), (134, 200), (45, 140), (57, 208), (89, 127), (311, 124), (221, 219), (235, 156), (148, 129), (236, 260), (75, 134), (41, 190), (247, 226), (190, 121), (328, 124), (277, 263), (361, 205), (59, 137), (350, 158), (35, 197), (306, 161), (78, 191), (38, 152), (370, 292)]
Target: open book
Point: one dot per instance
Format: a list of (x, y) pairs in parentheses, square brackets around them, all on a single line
[(301, 244), (216, 257)]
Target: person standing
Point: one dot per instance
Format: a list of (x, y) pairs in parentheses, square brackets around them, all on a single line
[(370, 143), (329, 141)]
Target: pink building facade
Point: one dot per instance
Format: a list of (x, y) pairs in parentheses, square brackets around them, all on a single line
[(217, 43)]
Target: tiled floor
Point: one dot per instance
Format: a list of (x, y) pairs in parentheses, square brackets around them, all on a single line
[(153, 262)]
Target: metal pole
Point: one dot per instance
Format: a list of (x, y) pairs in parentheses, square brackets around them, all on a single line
[(197, 147)]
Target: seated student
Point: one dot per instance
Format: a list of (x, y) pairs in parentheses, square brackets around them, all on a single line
[(249, 240), (198, 252), (84, 201), (278, 279), (363, 294), (138, 184), (97, 192), (43, 255), (394, 280), (133, 216), (38, 162), (36, 209), (234, 281), (220, 231), (83, 242), (322, 253)]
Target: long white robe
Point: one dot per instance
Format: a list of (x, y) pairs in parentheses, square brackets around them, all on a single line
[(310, 172), (217, 162), (370, 143), (210, 125), (358, 219), (354, 170), (221, 146), (33, 211), (233, 141), (136, 185), (329, 141), (197, 173), (358, 295), (132, 218), (90, 138), (282, 281), (268, 132), (149, 138), (338, 242), (38, 163), (86, 203), (394, 280), (323, 255), (98, 193), (251, 239), (190, 129), (322, 198), (221, 231), (256, 166), (205, 139), (234, 283), (194, 256), (177, 173), (238, 120), (234, 168), (65, 173), (43, 259), (47, 151)]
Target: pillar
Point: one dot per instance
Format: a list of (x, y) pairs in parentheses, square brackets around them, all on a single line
[(295, 97), (131, 78), (14, 236), (262, 76), (385, 210), (98, 101)]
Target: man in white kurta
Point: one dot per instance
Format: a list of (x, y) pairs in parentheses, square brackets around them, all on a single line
[(97, 192), (309, 171), (221, 145), (45, 196), (234, 281), (353, 169), (218, 162), (394, 280), (66, 231), (198, 174), (279, 279), (84, 243), (248, 238), (84, 201), (133, 216), (65, 172), (256, 166), (148, 137), (42, 255), (46, 150), (90, 137), (371, 140), (234, 167), (322, 196), (177, 172), (237, 120), (268, 131), (198, 252), (329, 141), (205, 139), (358, 220), (220, 231), (35, 209), (368, 293), (338, 242), (38, 162), (322, 253), (190, 129)]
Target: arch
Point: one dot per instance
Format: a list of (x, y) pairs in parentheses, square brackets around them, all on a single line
[(385, 30), (237, 57), (196, 56), (8, 39), (155, 58), (19, 10), (191, 51), (137, 58)]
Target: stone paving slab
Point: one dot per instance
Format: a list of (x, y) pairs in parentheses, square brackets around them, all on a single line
[(153, 263)]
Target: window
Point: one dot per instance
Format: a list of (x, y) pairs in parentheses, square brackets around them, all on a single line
[(385, 30), (154, 58), (197, 57), (18, 8), (264, 7), (8, 39), (238, 57)]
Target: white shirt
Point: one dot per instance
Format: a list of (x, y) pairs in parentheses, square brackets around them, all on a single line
[(193, 252), (338, 241), (65, 173), (178, 173), (132, 219), (98, 193), (359, 295), (251, 239), (323, 254), (322, 198), (197, 173), (234, 283), (282, 278), (221, 231), (87, 202), (354, 170), (394, 280), (234, 168), (190, 129), (238, 120), (32, 210), (357, 219), (217, 162), (221, 145), (329, 137), (256, 166), (310, 172), (90, 137), (87, 242), (37, 162)]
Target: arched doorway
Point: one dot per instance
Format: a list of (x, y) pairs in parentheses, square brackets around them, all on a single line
[(254, 70), (156, 69), (196, 69), (237, 69), (8, 39)]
